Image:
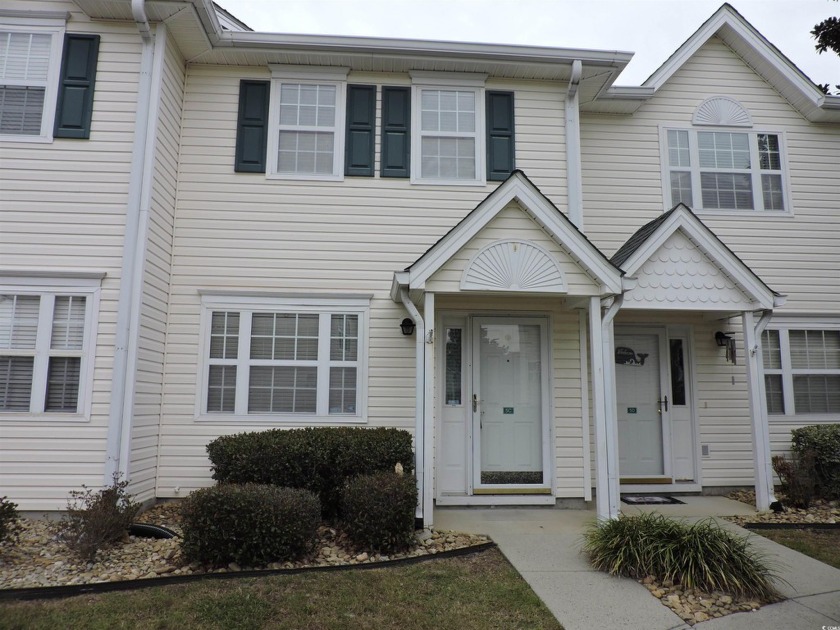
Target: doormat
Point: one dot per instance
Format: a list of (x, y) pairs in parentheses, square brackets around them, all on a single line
[(651, 500)]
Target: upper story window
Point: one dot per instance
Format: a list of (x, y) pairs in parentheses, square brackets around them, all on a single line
[(725, 170), (275, 358), (306, 123), (721, 164), (802, 370), (45, 350), (28, 76)]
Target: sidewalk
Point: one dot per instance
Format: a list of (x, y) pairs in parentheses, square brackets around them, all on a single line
[(544, 546)]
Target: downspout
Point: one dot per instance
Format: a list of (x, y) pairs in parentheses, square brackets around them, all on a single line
[(574, 181), (119, 418), (419, 396)]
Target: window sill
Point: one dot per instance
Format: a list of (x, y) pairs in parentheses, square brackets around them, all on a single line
[(305, 178), (26, 139), (805, 418), (289, 419), (25, 417), (448, 182), (773, 214)]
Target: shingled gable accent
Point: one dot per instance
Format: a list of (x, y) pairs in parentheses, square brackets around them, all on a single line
[(519, 188), (652, 236)]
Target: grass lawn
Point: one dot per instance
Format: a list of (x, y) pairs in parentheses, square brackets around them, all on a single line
[(477, 591), (821, 544)]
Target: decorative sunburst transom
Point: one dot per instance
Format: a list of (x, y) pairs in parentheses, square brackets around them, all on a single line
[(722, 111), (513, 265)]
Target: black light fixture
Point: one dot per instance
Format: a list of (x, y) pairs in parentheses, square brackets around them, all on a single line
[(407, 326), (725, 340), (722, 339)]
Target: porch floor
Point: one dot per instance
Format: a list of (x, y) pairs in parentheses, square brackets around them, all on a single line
[(544, 545)]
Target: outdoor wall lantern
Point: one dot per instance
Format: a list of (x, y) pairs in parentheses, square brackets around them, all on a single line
[(407, 326), (725, 340)]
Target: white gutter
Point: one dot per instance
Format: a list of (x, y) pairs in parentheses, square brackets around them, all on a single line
[(419, 397), (574, 179), (122, 387)]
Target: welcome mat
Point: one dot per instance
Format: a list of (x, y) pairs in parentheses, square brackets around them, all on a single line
[(651, 500)]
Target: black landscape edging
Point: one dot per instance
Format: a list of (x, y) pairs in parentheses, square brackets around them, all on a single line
[(71, 590), (759, 526)]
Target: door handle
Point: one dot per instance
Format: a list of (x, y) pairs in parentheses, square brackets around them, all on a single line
[(475, 403), (663, 403)]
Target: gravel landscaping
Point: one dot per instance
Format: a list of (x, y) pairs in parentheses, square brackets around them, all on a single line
[(821, 511), (694, 606), (39, 558)]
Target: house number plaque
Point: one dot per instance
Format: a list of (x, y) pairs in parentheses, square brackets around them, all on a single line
[(507, 410)]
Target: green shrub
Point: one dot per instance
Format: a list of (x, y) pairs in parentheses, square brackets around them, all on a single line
[(249, 524), (9, 520), (317, 459), (797, 476), (823, 441), (703, 555), (97, 520), (378, 510)]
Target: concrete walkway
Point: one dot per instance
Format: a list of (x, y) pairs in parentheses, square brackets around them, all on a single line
[(544, 546)]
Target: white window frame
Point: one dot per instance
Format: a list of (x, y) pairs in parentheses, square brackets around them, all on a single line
[(250, 303), (55, 27), (462, 82), (787, 370), (307, 75), (48, 289), (755, 170)]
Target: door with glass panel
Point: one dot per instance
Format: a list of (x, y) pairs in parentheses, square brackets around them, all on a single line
[(509, 405)]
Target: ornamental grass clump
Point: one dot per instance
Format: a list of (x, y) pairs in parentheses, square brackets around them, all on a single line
[(701, 556)]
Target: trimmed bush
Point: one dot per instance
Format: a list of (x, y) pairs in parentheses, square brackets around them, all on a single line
[(379, 510), (317, 459), (703, 555), (823, 442), (9, 520), (250, 524), (797, 476), (97, 520)]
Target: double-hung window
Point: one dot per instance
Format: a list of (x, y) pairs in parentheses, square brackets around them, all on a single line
[(802, 370), (307, 120), (270, 358), (29, 65), (725, 170), (45, 350), (448, 129)]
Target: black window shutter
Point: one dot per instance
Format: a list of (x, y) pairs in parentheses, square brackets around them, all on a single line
[(361, 125), (252, 127), (500, 142), (396, 131), (75, 88)]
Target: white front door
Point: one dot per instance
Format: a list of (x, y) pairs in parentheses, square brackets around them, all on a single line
[(510, 386), (641, 372)]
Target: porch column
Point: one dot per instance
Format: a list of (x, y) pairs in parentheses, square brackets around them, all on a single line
[(758, 410), (606, 443), (429, 410), (611, 410)]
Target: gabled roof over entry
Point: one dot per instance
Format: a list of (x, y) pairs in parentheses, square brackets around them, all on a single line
[(520, 189), (705, 264)]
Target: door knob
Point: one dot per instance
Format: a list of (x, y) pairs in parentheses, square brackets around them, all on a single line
[(475, 403), (663, 404)]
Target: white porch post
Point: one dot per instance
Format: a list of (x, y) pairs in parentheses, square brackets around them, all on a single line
[(758, 411), (603, 397), (429, 410)]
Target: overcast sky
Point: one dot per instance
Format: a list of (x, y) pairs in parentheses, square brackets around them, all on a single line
[(652, 29)]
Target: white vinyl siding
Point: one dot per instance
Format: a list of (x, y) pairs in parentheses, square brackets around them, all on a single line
[(43, 352), (285, 360), (29, 59), (725, 170), (802, 370)]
